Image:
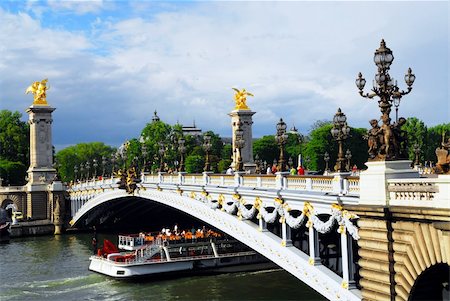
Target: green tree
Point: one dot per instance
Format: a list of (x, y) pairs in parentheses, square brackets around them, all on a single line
[(195, 163), (267, 149), (81, 153), (14, 137), (321, 141), (12, 173), (14, 148), (417, 134)]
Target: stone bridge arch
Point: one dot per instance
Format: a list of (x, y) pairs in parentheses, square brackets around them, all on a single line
[(266, 243), (419, 248)]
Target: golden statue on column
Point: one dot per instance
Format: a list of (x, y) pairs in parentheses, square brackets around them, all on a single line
[(240, 97), (39, 90)]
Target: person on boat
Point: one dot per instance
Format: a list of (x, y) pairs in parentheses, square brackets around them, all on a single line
[(94, 245), (94, 241)]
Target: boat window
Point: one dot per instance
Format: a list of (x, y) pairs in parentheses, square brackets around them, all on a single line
[(120, 272)]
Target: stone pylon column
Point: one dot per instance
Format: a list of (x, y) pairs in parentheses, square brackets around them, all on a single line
[(41, 148), (41, 172), (245, 118)]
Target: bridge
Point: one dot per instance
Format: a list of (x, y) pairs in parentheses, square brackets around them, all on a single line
[(384, 235), (324, 230)]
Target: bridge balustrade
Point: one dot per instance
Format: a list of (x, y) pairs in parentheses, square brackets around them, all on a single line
[(421, 192)]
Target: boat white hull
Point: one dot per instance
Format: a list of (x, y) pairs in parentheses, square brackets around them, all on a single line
[(208, 265)]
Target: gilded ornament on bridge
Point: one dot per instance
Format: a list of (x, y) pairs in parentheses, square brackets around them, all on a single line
[(443, 157), (240, 97), (39, 90), (128, 180)]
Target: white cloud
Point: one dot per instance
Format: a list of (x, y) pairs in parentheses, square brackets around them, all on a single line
[(300, 60), (79, 7)]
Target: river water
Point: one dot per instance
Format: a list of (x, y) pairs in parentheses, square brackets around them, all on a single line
[(56, 268)]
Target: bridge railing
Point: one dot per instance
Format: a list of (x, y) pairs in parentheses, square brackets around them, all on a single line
[(338, 184), (420, 192)]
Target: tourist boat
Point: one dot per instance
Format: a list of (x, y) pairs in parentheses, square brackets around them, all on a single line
[(148, 255)]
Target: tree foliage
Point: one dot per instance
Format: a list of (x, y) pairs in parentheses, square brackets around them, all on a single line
[(321, 141), (12, 173), (266, 148), (14, 147), (195, 163), (81, 153)]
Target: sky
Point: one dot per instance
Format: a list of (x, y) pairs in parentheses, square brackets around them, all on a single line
[(111, 64)]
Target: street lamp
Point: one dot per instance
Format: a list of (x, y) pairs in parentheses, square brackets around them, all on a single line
[(207, 148), (348, 156), (88, 167), (258, 164), (326, 157), (239, 142), (161, 152), (75, 173), (104, 162), (144, 155), (95, 165), (81, 171), (340, 132), (281, 138), (182, 150), (113, 164), (389, 93), (417, 152)]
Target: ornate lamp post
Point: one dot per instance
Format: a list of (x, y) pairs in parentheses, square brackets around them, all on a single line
[(258, 164), (95, 165), (182, 150), (113, 164), (207, 148), (144, 155), (326, 157), (239, 143), (340, 132), (104, 162), (348, 156), (281, 138), (75, 173), (81, 171), (161, 152), (125, 158), (88, 167), (385, 87), (417, 153)]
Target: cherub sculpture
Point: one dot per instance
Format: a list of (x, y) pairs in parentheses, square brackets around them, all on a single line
[(240, 97), (39, 90)]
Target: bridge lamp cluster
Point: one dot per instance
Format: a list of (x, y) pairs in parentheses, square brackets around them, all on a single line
[(281, 138), (385, 86), (340, 132), (207, 148), (182, 150)]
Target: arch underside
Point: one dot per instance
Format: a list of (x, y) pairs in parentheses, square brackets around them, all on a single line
[(266, 243)]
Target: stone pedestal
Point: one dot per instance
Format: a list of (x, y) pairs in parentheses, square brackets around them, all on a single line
[(245, 118), (373, 181)]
